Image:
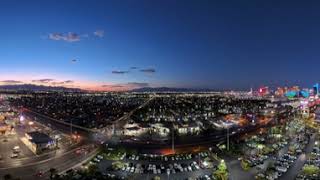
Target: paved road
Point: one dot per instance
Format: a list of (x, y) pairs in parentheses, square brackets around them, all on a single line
[(298, 164), (63, 162), (57, 124), (235, 170), (26, 168), (124, 119)]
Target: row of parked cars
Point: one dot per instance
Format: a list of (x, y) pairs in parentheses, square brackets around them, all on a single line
[(256, 160), (314, 160), (281, 166), (176, 157), (161, 169), (204, 177), (96, 159), (284, 162), (316, 157)]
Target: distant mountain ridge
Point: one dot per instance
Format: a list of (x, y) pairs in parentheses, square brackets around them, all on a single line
[(33, 87), (169, 89)]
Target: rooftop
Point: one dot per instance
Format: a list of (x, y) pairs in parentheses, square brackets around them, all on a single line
[(38, 137)]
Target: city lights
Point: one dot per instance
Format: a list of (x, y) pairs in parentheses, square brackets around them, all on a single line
[(162, 89)]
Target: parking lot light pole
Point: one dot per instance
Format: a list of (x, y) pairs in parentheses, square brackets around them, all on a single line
[(71, 132), (228, 143), (172, 138)]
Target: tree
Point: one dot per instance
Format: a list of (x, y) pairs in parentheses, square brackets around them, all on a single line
[(53, 173), (310, 169), (221, 173), (245, 165), (117, 165), (92, 169), (7, 177)]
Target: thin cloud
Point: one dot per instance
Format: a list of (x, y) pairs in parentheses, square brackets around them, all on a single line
[(126, 86), (133, 67), (52, 81), (69, 37), (45, 81), (112, 86), (148, 70), (120, 72), (99, 33), (11, 82), (68, 82), (56, 83), (73, 61)]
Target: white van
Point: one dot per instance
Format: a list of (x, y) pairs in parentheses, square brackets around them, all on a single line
[(281, 169)]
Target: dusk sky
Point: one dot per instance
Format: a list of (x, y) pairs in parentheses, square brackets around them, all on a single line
[(116, 45)]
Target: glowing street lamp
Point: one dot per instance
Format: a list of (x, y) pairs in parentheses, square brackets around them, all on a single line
[(22, 118)]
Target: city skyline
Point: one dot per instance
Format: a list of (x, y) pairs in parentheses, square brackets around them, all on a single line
[(159, 89), (112, 45)]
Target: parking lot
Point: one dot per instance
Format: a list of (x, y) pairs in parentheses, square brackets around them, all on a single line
[(8, 143), (147, 166), (12, 148)]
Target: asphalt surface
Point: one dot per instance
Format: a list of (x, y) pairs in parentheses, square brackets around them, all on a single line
[(179, 175), (295, 168), (62, 159), (61, 163), (236, 172), (6, 148)]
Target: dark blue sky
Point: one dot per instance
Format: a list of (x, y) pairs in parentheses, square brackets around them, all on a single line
[(198, 44)]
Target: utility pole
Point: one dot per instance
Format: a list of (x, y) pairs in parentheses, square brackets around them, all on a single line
[(172, 138), (71, 127)]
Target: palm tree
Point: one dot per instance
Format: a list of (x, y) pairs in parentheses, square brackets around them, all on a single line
[(53, 172), (7, 177)]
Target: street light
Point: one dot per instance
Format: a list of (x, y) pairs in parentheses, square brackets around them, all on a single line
[(22, 118), (172, 138), (227, 126), (71, 127)]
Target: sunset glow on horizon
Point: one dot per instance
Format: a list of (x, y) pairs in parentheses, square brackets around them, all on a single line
[(121, 45)]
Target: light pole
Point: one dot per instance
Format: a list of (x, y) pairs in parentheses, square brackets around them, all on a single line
[(172, 138), (228, 139), (71, 136), (71, 127)]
